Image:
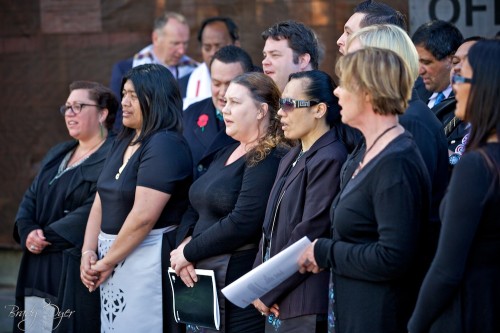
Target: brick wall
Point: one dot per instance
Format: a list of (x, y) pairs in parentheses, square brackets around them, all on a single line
[(46, 44)]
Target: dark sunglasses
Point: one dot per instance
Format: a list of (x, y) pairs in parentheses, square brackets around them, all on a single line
[(288, 104), (455, 78)]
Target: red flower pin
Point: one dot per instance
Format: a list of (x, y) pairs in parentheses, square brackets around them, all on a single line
[(202, 121)]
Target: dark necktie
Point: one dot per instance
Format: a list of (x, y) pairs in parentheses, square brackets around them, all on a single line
[(218, 114)]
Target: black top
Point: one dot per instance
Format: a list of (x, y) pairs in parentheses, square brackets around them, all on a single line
[(51, 197), (230, 202), (60, 207), (377, 223), (162, 163), (461, 291)]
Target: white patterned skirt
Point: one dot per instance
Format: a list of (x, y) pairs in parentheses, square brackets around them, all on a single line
[(131, 298)]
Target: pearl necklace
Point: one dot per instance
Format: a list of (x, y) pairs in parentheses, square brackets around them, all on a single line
[(117, 176)]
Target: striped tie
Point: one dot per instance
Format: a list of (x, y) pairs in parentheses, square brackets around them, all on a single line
[(452, 124)]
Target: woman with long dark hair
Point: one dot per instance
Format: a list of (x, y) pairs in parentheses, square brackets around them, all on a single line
[(141, 196), (461, 291)]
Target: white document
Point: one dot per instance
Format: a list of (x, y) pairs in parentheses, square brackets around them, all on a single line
[(267, 276)]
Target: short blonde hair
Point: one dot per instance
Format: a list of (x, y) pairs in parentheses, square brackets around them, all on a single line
[(382, 74), (389, 36)]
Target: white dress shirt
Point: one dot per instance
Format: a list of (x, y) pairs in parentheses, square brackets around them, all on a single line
[(199, 86)]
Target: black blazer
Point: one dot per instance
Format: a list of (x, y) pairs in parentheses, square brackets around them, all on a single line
[(80, 196), (198, 134), (308, 190)]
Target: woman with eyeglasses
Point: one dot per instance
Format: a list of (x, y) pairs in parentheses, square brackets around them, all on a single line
[(141, 196), (227, 200), (379, 215), (299, 204), (461, 291), (50, 223)]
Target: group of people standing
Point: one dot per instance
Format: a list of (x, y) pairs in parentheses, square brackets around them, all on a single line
[(361, 169)]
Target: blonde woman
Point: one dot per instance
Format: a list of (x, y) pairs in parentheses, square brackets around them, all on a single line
[(377, 217), (418, 119)]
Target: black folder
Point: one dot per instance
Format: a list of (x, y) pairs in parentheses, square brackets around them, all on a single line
[(197, 305)]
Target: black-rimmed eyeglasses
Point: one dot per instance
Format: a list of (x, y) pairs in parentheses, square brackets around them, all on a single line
[(288, 104), (76, 108), (455, 78)]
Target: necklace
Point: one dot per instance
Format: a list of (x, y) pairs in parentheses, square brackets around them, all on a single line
[(86, 154), (65, 166), (117, 176), (360, 165), (298, 158)]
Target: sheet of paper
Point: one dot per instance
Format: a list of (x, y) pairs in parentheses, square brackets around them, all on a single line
[(265, 277)]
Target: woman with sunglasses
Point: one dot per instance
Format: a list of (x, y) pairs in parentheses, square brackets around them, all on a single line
[(461, 291), (50, 223), (379, 216), (306, 183)]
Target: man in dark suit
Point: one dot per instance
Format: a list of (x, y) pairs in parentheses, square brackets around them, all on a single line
[(204, 127), (436, 42)]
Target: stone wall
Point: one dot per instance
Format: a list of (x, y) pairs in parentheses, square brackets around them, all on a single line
[(46, 44)]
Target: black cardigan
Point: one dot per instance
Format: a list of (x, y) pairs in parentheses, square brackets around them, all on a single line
[(80, 196)]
